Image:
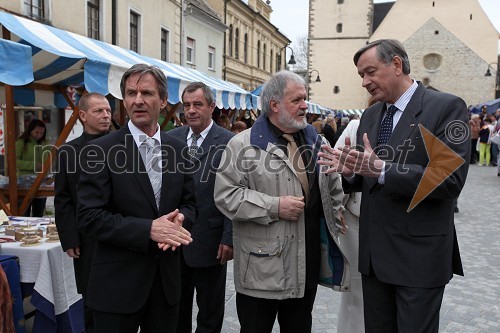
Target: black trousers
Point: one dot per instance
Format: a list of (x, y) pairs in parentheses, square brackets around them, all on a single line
[(257, 315), (210, 285), (87, 316), (391, 308), (156, 316)]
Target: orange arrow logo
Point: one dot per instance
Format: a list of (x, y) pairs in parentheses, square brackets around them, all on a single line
[(443, 161)]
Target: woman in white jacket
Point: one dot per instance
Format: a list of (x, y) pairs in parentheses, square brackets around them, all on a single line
[(351, 317)]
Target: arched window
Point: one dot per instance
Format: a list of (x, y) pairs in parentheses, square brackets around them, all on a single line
[(236, 43), (245, 48), (230, 44), (258, 54), (271, 62), (339, 27), (264, 58)]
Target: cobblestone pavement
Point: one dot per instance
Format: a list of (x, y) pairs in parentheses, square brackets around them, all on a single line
[(471, 304)]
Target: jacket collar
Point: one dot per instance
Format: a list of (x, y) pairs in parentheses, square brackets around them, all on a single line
[(261, 135)]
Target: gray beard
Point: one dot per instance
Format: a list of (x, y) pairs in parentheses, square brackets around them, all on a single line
[(286, 121)]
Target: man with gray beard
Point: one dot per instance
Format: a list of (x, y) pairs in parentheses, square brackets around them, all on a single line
[(285, 213)]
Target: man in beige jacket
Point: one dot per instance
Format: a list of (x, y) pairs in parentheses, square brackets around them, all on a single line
[(285, 213)]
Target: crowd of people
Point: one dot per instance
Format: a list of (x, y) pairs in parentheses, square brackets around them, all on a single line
[(151, 217), (484, 150)]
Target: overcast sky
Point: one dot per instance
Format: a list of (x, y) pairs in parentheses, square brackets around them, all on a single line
[(291, 16)]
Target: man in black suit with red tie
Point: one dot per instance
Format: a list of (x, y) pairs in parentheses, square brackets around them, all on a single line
[(133, 197), (407, 254), (95, 113)]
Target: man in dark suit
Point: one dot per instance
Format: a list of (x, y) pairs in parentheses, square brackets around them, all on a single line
[(133, 197), (407, 254), (204, 266), (95, 113)]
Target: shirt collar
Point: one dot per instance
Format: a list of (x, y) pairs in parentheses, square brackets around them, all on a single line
[(404, 99), (204, 133), (139, 136)]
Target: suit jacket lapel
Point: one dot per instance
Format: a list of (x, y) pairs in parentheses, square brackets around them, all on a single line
[(136, 166), (373, 120), (373, 130), (167, 161), (208, 142)]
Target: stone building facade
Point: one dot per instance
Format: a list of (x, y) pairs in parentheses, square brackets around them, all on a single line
[(450, 44), (254, 47)]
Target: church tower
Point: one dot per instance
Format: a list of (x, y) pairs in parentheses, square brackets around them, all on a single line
[(337, 29)]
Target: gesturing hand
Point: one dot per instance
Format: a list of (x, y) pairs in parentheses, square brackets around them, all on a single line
[(291, 207), (331, 158), (365, 163)]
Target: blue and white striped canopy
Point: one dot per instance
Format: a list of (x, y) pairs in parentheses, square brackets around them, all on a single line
[(311, 107), (316, 108), (64, 58), (349, 112)]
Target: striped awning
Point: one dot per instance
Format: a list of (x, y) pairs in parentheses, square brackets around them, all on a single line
[(64, 58), (311, 107), (316, 108), (349, 112)]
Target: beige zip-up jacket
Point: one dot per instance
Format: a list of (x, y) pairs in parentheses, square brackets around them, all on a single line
[(269, 253)]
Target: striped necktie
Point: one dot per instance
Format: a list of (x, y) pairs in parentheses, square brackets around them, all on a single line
[(153, 154)]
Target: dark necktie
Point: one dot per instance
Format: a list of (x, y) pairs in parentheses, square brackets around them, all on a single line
[(153, 167), (298, 163), (194, 146), (386, 127)]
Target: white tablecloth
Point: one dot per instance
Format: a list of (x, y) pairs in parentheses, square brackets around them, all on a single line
[(50, 269)]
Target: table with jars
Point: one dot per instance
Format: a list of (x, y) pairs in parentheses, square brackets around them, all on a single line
[(45, 266)]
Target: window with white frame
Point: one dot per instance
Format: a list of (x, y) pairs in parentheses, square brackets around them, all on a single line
[(190, 51), (35, 9), (93, 24), (264, 58), (230, 39), (237, 43), (211, 57), (164, 44), (134, 31)]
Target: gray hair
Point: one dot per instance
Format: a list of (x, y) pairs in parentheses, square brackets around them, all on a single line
[(387, 49), (143, 69), (274, 89), (207, 92), (344, 121)]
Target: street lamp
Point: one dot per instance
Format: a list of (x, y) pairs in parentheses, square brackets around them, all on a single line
[(292, 58), (488, 73), (317, 78), (309, 81), (497, 78)]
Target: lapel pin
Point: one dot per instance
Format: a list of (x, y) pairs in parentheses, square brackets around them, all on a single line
[(412, 125)]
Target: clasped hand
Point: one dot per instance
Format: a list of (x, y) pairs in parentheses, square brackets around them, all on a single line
[(348, 161), (167, 230), (291, 207)]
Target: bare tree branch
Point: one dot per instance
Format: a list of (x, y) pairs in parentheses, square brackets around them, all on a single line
[(300, 52)]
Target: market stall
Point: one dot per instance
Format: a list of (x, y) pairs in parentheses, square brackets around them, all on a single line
[(55, 59)]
